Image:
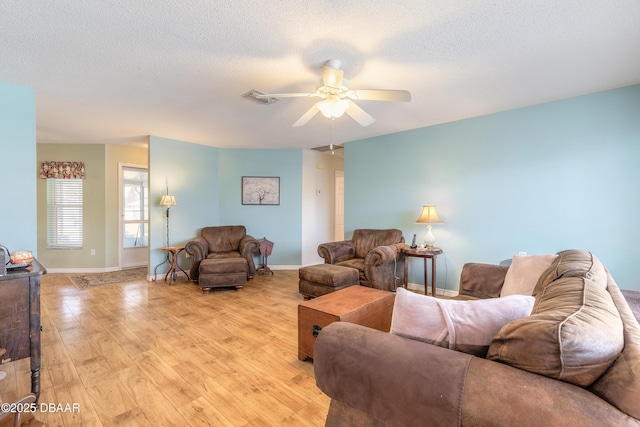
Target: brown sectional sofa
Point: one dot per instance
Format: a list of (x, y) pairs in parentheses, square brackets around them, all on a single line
[(575, 361)]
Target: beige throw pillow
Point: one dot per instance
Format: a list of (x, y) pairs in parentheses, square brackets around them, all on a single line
[(466, 326), (524, 272)]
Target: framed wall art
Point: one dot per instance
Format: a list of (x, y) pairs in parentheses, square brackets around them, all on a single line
[(260, 190)]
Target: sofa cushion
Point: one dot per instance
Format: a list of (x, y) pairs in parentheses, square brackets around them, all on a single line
[(356, 263), (524, 272), (466, 326), (479, 280), (574, 263), (224, 238), (574, 332), (620, 385), (366, 239), (329, 275)]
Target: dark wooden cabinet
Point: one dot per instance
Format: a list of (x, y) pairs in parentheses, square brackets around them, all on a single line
[(20, 318)]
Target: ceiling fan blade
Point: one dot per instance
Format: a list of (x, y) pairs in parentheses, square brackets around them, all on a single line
[(380, 95), (288, 95), (332, 77), (306, 116), (359, 115)]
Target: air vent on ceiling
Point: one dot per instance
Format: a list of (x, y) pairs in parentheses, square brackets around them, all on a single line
[(328, 148), (252, 95)]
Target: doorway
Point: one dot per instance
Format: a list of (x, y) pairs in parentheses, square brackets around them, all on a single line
[(338, 221), (134, 215)]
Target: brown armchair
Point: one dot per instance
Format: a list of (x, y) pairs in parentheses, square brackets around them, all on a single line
[(229, 242), (374, 253)]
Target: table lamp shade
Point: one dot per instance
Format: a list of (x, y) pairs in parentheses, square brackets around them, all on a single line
[(429, 216)]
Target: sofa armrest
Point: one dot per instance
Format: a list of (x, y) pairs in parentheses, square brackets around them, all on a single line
[(384, 267), (501, 395), (397, 380), (334, 252), (198, 248), (403, 382), (482, 280), (247, 247)]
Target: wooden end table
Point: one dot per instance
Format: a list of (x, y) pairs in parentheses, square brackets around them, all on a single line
[(356, 304), (172, 258), (425, 254)]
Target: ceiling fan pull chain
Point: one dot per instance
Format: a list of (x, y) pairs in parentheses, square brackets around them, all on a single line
[(333, 119)]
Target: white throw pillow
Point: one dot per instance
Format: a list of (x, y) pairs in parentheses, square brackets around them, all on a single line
[(524, 272), (467, 326)]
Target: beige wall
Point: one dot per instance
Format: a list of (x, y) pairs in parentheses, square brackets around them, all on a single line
[(100, 191), (318, 172)]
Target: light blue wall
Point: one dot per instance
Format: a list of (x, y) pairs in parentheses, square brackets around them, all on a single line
[(191, 172), (281, 224), (18, 170), (540, 179)]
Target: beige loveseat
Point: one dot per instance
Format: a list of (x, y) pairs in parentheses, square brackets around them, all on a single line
[(574, 361)]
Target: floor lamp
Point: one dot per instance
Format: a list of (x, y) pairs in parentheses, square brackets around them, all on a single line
[(167, 201)]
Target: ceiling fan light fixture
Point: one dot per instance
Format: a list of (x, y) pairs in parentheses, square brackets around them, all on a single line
[(338, 97), (333, 108)]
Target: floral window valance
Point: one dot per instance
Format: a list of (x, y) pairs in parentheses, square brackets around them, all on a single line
[(62, 170)]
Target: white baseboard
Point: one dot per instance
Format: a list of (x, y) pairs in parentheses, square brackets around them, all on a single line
[(82, 270), (420, 289), (283, 267)]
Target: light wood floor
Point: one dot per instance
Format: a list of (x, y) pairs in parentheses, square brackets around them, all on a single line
[(147, 353)]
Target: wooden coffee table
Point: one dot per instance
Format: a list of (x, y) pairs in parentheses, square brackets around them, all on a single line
[(356, 304)]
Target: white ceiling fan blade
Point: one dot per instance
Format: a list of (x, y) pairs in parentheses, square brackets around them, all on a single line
[(306, 116), (332, 77), (288, 95), (380, 95), (359, 115)]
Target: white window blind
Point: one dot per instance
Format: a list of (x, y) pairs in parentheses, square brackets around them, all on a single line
[(64, 213)]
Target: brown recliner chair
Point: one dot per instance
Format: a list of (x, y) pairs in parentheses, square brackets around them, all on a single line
[(222, 257), (375, 254)]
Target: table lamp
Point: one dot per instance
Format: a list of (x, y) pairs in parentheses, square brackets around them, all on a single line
[(429, 216)]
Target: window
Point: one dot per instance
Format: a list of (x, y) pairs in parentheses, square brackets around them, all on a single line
[(135, 207), (64, 213)]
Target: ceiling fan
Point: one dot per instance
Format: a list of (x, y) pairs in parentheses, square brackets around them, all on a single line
[(338, 98)]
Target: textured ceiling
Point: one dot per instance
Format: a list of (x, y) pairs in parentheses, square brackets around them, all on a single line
[(116, 70)]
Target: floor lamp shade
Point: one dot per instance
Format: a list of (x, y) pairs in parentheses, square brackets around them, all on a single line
[(429, 216), (167, 201)]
